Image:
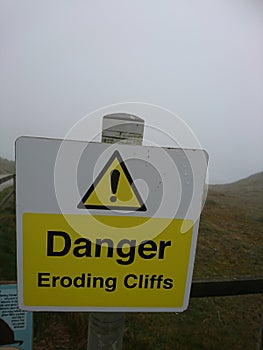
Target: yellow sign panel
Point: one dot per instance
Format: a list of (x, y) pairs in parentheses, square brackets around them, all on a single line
[(71, 268), (113, 189)]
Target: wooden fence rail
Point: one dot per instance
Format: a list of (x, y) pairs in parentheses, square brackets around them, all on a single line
[(220, 287), (6, 178), (12, 192), (226, 286)]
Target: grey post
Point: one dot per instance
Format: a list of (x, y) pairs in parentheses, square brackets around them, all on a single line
[(106, 328)]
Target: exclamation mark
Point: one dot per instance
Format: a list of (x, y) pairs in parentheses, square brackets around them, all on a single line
[(114, 177)]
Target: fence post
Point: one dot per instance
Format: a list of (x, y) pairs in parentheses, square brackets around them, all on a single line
[(106, 328)]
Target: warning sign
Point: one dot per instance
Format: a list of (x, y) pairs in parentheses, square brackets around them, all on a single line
[(67, 266), (113, 189), (106, 227)]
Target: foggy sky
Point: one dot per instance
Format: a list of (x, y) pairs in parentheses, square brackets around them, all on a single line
[(60, 60)]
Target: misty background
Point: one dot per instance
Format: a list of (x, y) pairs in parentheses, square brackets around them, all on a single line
[(202, 60)]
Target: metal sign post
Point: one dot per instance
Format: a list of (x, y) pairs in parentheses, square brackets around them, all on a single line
[(106, 329)]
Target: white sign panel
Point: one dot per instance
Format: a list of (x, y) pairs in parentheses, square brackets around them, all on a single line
[(106, 227)]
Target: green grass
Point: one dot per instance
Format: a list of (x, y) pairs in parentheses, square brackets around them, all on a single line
[(7, 238), (208, 323)]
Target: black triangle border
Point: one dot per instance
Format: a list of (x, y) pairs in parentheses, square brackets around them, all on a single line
[(117, 155)]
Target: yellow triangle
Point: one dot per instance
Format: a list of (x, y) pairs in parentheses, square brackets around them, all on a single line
[(103, 194)]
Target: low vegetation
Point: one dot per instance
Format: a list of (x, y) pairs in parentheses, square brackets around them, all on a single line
[(6, 166), (7, 238), (229, 244)]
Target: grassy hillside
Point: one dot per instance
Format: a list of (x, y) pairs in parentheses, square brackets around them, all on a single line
[(7, 166), (246, 194), (229, 244), (230, 235)]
